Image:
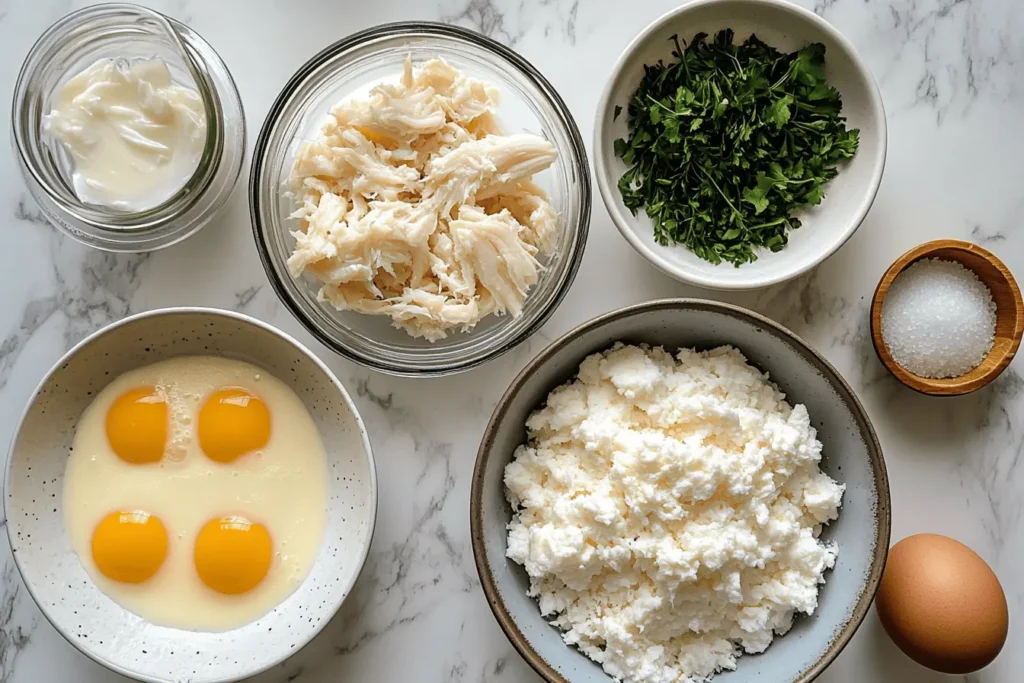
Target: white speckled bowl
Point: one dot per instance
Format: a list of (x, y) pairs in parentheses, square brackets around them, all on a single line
[(97, 625), (851, 455), (847, 198)]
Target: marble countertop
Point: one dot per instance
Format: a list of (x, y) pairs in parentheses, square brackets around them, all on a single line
[(950, 74)]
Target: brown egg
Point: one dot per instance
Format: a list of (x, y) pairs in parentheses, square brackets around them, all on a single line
[(942, 605)]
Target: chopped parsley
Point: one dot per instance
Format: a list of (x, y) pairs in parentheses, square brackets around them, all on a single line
[(728, 141)]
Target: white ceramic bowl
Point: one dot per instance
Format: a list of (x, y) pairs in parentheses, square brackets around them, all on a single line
[(847, 198), (97, 625)]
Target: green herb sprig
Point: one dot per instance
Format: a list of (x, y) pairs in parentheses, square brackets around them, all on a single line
[(728, 141)]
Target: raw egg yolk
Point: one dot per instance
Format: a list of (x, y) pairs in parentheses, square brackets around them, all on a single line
[(137, 426), (232, 423), (129, 546), (233, 554)]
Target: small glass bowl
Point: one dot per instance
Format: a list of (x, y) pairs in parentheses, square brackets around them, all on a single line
[(352, 66), (119, 31)]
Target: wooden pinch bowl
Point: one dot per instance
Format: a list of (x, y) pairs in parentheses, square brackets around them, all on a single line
[(1009, 316)]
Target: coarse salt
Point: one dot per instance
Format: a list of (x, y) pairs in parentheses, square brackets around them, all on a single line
[(938, 319)]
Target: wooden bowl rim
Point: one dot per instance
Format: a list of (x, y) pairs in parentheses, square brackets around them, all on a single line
[(953, 386)]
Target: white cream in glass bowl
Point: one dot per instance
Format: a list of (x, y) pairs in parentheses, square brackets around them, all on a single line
[(134, 136), (88, 101)]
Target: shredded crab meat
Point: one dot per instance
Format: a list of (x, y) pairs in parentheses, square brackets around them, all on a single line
[(413, 204)]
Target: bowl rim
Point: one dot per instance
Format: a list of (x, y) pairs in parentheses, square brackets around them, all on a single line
[(609, 192), (217, 312), (442, 30), (884, 516)]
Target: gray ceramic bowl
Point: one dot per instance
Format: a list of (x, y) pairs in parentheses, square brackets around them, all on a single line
[(851, 456), (97, 625)]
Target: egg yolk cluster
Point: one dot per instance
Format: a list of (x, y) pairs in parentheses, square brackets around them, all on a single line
[(232, 554)]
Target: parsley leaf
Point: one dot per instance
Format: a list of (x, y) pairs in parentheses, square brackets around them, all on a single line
[(728, 141)]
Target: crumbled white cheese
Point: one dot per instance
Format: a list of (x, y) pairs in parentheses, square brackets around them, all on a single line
[(667, 511), (414, 205)]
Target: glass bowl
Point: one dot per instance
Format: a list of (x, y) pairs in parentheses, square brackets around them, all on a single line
[(352, 66), (120, 31)]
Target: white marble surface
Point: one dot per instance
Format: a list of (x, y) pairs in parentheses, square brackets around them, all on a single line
[(951, 77)]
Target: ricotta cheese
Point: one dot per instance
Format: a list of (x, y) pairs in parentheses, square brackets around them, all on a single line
[(413, 204), (667, 511)]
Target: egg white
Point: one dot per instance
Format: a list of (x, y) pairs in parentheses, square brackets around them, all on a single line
[(283, 486)]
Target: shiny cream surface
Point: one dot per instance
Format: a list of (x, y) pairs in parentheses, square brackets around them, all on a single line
[(134, 136), (282, 486)]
